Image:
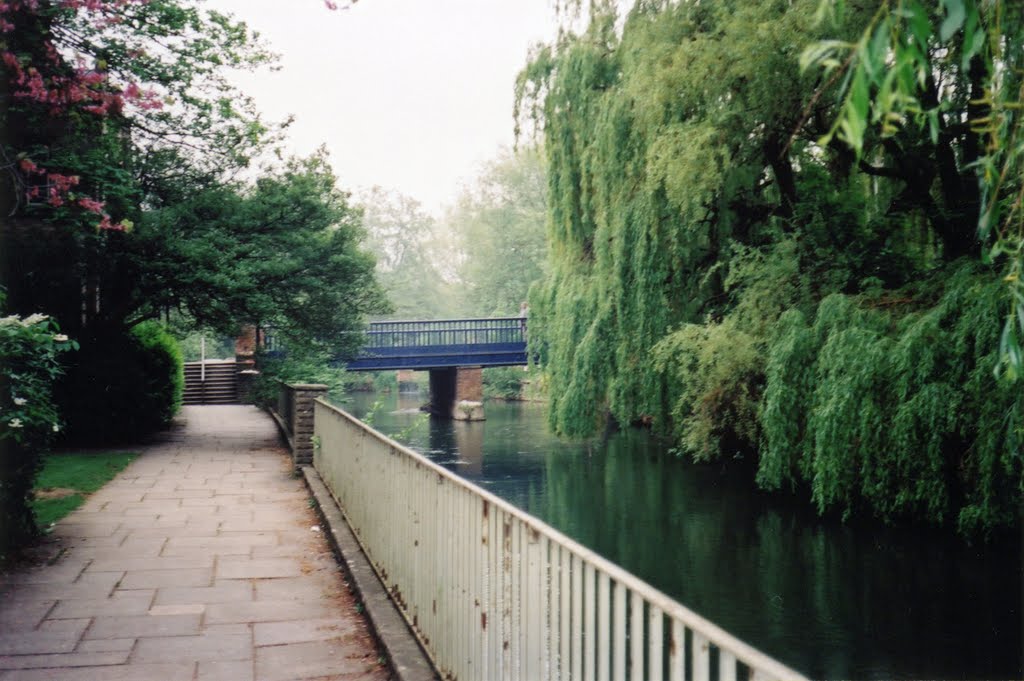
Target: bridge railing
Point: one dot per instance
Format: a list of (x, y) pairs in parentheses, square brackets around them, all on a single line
[(494, 593), (445, 332)]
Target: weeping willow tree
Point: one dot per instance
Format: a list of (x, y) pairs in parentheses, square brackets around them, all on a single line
[(725, 267)]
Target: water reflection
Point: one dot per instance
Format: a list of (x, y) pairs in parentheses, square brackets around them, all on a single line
[(832, 600)]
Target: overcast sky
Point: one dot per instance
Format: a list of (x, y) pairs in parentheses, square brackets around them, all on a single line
[(411, 95)]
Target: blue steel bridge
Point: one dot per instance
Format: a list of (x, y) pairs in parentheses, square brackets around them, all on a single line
[(443, 343)]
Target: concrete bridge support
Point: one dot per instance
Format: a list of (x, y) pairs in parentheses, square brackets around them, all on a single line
[(457, 393)]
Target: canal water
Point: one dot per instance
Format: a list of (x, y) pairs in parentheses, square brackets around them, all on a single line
[(831, 600)]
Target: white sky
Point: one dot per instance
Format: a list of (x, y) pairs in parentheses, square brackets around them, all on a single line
[(411, 95)]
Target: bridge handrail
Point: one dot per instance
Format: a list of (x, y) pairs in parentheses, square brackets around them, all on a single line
[(451, 332), (446, 321), (493, 592)]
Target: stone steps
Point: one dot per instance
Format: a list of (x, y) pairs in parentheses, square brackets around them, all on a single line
[(220, 386)]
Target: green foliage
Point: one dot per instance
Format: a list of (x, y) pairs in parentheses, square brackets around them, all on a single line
[(298, 365), (29, 420), (385, 381), (410, 256), (186, 54), (504, 383), (896, 411), (165, 370), (724, 266), (123, 387), (650, 175), (715, 374), (284, 254), (188, 130), (948, 71), (282, 251), (500, 225)]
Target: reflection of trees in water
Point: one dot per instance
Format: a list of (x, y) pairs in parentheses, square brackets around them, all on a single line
[(469, 439), (831, 600), (409, 401)]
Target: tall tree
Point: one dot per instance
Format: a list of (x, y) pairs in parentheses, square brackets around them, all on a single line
[(499, 222), (110, 107), (285, 252), (410, 256)]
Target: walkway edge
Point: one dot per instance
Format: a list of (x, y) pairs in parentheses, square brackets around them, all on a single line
[(407, 660)]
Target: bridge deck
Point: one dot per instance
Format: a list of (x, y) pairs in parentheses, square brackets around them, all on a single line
[(435, 344)]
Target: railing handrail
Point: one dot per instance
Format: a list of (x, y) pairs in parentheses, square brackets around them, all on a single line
[(743, 652), (446, 321)]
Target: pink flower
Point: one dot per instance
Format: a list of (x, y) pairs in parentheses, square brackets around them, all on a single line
[(91, 205), (64, 183), (11, 62)]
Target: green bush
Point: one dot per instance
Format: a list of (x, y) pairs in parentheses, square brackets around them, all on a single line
[(385, 381), (295, 367), (123, 387), (165, 370), (505, 383), (28, 417)]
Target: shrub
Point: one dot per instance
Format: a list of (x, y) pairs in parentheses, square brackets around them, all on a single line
[(28, 416), (504, 383), (296, 367), (124, 387), (164, 370)]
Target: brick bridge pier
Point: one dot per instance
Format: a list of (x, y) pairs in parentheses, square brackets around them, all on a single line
[(457, 393)]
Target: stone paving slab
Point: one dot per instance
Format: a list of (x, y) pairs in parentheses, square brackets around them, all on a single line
[(197, 563)]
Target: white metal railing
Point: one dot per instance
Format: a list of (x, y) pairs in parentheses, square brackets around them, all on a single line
[(494, 593)]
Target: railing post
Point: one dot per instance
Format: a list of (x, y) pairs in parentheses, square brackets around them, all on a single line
[(304, 395)]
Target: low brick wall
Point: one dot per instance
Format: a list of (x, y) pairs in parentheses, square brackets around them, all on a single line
[(294, 415)]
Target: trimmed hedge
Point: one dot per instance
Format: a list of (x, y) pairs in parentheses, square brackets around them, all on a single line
[(124, 387)]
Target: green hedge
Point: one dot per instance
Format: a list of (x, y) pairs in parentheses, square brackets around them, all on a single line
[(124, 387)]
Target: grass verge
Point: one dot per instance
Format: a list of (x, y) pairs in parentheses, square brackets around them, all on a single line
[(67, 478)]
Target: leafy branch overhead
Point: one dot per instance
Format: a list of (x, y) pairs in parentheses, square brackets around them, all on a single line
[(952, 69), (153, 71)]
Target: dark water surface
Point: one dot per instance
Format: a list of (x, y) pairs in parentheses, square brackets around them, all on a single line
[(831, 600)]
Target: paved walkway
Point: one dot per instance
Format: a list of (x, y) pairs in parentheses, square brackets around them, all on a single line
[(201, 561)]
